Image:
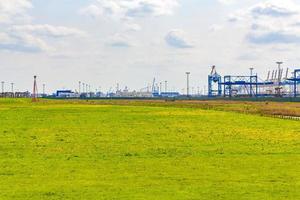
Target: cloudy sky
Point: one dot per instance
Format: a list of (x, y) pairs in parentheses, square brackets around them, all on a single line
[(105, 42)]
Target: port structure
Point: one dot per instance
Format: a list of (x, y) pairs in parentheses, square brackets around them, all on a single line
[(276, 84), (248, 85), (214, 83), (295, 82)]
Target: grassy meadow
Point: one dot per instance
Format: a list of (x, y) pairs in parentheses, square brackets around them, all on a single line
[(144, 151)]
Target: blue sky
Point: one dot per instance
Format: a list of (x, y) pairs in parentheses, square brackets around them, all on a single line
[(105, 42)]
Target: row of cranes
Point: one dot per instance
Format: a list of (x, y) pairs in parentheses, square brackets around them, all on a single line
[(277, 84), (277, 76)]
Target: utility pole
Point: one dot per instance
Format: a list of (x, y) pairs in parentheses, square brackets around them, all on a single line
[(79, 88), (279, 77), (160, 87), (12, 87), (251, 71), (251, 86), (166, 86), (44, 86), (2, 87), (188, 83)]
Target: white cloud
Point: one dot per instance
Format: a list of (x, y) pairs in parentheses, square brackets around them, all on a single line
[(275, 9), (216, 27), (5, 38), (22, 43), (120, 41), (48, 30), (227, 2), (270, 22), (134, 8), (21, 35), (124, 10), (177, 39), (131, 26), (13, 10)]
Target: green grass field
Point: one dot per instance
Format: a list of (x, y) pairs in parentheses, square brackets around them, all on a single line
[(64, 150)]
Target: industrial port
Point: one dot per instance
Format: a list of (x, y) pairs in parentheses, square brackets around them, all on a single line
[(279, 83)]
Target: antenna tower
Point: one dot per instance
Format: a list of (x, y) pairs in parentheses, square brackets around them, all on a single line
[(35, 90)]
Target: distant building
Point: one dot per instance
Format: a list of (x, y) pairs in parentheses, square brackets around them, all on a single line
[(155, 94), (169, 94), (100, 95), (66, 94), (15, 95), (87, 95), (7, 95), (144, 94), (22, 95), (131, 94)]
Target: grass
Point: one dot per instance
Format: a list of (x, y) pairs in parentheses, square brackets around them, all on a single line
[(92, 150), (250, 107)]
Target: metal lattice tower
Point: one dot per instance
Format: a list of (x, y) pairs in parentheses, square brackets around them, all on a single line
[(35, 90)]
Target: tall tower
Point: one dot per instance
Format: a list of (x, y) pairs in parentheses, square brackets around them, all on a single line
[(2, 87), (12, 90), (160, 87), (79, 88), (35, 90), (44, 90), (278, 89), (12, 87), (166, 86), (188, 83), (251, 71)]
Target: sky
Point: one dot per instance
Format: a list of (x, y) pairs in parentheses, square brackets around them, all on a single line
[(105, 42)]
